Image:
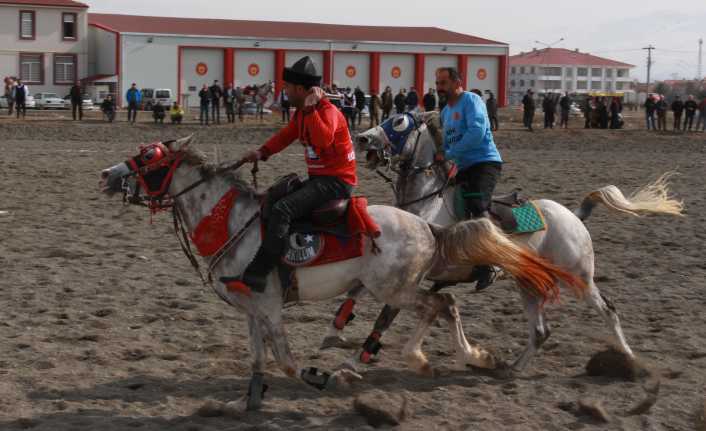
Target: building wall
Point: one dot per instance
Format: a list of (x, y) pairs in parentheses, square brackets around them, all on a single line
[(193, 76), (433, 62), (148, 64), (48, 42), (360, 64), (405, 63), (101, 52), (483, 74), (254, 67)]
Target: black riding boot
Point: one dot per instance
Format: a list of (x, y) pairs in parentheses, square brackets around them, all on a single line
[(255, 275), (484, 276)]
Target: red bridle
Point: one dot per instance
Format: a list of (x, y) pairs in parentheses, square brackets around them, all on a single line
[(153, 157)]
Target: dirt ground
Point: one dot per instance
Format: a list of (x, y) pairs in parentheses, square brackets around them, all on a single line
[(104, 325)]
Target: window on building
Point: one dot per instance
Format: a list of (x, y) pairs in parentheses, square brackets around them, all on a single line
[(596, 85), (582, 71), (64, 69), (512, 83), (522, 69), (532, 70), (619, 85), (581, 85), (68, 26), (27, 26), (623, 73), (31, 66), (522, 82), (551, 85), (596, 72), (551, 71), (568, 85), (609, 73), (513, 70), (532, 83), (569, 71)]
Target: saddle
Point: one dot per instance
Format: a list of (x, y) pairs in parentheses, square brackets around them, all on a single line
[(514, 213)]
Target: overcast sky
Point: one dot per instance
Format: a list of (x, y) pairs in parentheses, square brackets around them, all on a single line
[(616, 29)]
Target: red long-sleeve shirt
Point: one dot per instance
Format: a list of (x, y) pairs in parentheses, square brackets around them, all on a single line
[(327, 143)]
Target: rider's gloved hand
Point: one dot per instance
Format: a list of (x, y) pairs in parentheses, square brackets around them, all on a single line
[(439, 157), (313, 98), (252, 156)]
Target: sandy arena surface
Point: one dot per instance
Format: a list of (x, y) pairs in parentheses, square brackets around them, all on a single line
[(105, 326)]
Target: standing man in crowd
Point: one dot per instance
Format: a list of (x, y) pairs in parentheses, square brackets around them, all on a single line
[(204, 101), (359, 103), (412, 100), (661, 108), (216, 95), (284, 105), (349, 107), (677, 109), (133, 97), (387, 103), (10, 86), (650, 108), (429, 101), (549, 108), (690, 108), (229, 102), (240, 100), (21, 93), (468, 142), (491, 105), (603, 116), (565, 105), (374, 109), (701, 122), (587, 112), (76, 101), (400, 101), (528, 109)]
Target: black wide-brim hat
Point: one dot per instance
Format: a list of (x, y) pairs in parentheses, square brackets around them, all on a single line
[(303, 72)]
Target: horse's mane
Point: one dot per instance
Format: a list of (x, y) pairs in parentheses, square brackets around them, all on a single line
[(198, 158), (433, 122)]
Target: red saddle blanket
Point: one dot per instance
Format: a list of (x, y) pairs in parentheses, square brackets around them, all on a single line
[(322, 248), (212, 231)]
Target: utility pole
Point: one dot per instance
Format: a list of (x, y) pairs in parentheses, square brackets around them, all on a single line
[(700, 70), (649, 49)]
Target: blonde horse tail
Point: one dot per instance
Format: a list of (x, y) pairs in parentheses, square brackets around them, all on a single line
[(652, 199), (480, 242)]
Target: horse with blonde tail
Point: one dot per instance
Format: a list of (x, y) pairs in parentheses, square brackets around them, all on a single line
[(391, 266), (407, 144)]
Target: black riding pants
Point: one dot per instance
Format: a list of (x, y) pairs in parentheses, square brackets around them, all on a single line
[(314, 193), (478, 182)]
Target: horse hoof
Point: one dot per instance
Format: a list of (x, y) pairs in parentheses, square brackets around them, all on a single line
[(335, 342), (235, 409), (427, 370)]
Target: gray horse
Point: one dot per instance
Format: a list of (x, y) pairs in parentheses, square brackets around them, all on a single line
[(408, 250), (423, 188)]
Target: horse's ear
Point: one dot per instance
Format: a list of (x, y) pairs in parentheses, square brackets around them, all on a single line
[(181, 144)]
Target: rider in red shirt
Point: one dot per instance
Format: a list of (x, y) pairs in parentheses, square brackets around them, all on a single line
[(323, 132)]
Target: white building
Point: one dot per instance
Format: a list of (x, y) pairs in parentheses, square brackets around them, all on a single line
[(182, 54), (44, 42), (560, 70)]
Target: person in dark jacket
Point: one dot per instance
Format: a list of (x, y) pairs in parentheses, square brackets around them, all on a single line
[(205, 101), (650, 108), (614, 113), (491, 105), (158, 113), (565, 105), (284, 105), (549, 108), (229, 102), (400, 101), (76, 98), (587, 112), (603, 116), (661, 107), (528, 109), (374, 109), (21, 93), (690, 108), (216, 95), (359, 103), (429, 101), (108, 108), (387, 103), (412, 100), (677, 109)]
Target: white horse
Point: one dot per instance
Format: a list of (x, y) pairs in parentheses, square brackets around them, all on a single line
[(261, 96), (423, 187), (409, 249)]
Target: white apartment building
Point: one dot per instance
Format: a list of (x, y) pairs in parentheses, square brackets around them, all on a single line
[(44, 42), (554, 70)]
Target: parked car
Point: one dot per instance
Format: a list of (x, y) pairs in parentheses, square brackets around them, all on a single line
[(86, 102), (150, 97), (49, 101), (29, 103)]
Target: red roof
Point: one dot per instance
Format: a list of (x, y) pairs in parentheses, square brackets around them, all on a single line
[(562, 56), (281, 30), (52, 3)]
